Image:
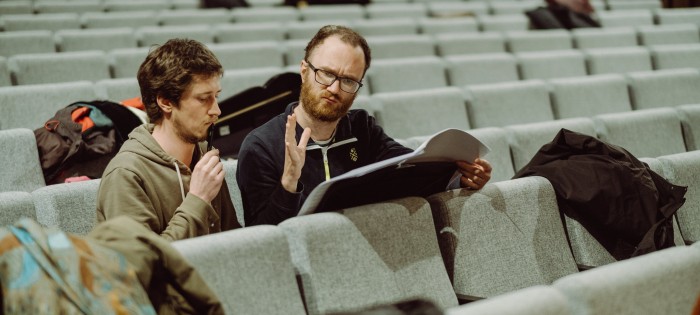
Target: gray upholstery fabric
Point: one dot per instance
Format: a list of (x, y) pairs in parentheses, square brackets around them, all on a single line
[(663, 88), (15, 205), (26, 42), (249, 269), (305, 30), (119, 19), (390, 10), (625, 18), (401, 46), (194, 16), (690, 120), (340, 11), (117, 90), (644, 133), (5, 76), (248, 55), (369, 255), (525, 140), (663, 282), (585, 38), (248, 32), (125, 62), (684, 169), (238, 80), (535, 300), (589, 96), (44, 7), (618, 60), (30, 106), (676, 56), (60, 67), (470, 43), (150, 35), (504, 237), (551, 64), (294, 52), (48, 21), (230, 167), (71, 207), (519, 41), (96, 39), (422, 112), (481, 69), (668, 34), (435, 26), (513, 7), (503, 104), (21, 169), (263, 14), (116, 5), (367, 103), (386, 27), (670, 16), (406, 74), (499, 156), (16, 7), (634, 4), (504, 22), (456, 8)]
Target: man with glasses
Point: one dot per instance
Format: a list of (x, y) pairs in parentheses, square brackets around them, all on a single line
[(318, 137)]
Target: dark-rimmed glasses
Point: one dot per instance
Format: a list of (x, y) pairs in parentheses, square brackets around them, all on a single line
[(327, 78)]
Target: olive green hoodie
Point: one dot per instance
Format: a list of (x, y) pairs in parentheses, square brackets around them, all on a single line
[(145, 183)]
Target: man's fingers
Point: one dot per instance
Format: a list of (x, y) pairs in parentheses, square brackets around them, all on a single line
[(304, 138), (485, 165)]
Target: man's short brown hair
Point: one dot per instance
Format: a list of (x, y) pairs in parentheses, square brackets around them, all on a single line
[(345, 34)]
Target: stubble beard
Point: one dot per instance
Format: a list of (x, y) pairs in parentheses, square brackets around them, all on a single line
[(313, 106), (185, 134)]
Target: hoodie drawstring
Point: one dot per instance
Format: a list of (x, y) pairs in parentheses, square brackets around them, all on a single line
[(179, 177)]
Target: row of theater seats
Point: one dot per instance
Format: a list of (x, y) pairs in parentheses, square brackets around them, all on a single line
[(456, 245)]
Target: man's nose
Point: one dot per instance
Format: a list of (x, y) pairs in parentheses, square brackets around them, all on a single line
[(334, 87)]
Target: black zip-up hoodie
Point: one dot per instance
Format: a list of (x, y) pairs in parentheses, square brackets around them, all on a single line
[(358, 141)]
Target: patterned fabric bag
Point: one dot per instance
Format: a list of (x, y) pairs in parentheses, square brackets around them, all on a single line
[(46, 271)]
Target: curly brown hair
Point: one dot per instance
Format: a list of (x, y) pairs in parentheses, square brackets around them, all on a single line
[(346, 35), (170, 68)]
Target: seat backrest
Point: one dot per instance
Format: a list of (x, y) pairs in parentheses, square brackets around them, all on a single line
[(690, 120), (15, 205), (520, 41), (551, 64), (265, 14), (678, 16), (194, 16), (235, 81), (589, 96), (503, 104), (158, 35), (585, 38), (684, 169), (26, 42), (625, 18), (91, 65), (96, 39), (436, 25), (71, 207), (337, 11), (651, 89), (644, 133), (481, 68), (422, 112), (386, 27), (676, 56), (503, 22), (504, 237), (535, 300), (248, 55), (663, 282), (230, 166), (668, 34), (618, 60), (396, 10), (400, 46), (30, 106), (119, 19), (369, 255), (47, 21), (406, 74), (249, 269), (21, 169), (469, 43), (5, 76), (249, 32), (117, 90)]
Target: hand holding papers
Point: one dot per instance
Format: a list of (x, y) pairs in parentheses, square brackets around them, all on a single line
[(425, 171)]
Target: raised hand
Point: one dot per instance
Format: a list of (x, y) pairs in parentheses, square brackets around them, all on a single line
[(474, 175), (207, 176), (294, 154)]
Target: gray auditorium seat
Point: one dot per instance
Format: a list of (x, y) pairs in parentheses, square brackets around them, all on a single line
[(117, 90), (535, 300), (329, 12), (248, 32), (589, 95), (447, 10), (513, 7), (194, 16), (664, 88), (400, 46), (457, 25), (133, 19), (676, 56), (684, 169), (663, 282), (625, 18), (78, 6), (265, 14), (87, 65), (185, 4), (526, 139), (668, 34), (690, 120), (469, 43), (634, 5), (142, 5), (503, 104), (259, 276), (604, 37), (391, 10), (406, 74), (305, 30), (494, 67), (551, 64), (26, 42), (95, 39), (505, 22), (16, 7), (248, 55), (48, 21), (678, 16), (150, 35), (235, 81), (520, 41), (618, 60), (230, 167), (366, 103), (504, 237), (385, 27), (423, 112), (294, 52), (369, 255), (644, 133), (30, 106), (15, 205), (125, 62), (21, 168), (69, 206), (5, 75)]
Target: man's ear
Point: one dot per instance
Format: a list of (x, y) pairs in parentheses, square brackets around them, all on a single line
[(302, 70), (165, 104)]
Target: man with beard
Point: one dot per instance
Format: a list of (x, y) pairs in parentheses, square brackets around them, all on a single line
[(162, 176), (276, 172)]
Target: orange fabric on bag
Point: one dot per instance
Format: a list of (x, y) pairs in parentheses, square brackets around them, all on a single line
[(134, 102), (696, 309), (82, 116)]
